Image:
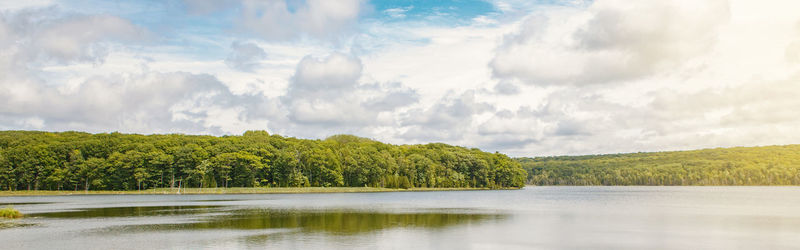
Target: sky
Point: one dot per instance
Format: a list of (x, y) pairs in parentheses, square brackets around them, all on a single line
[(525, 78)]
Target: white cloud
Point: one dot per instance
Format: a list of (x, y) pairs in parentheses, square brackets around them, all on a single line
[(627, 77), (77, 38), (398, 12), (506, 129), (320, 92), (448, 119), (47, 36), (280, 20), (611, 41), (19, 5), (40, 46), (326, 93), (149, 103), (447, 58), (245, 56), (506, 88)]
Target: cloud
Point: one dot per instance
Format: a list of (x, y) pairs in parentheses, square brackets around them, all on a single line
[(202, 7), (285, 20), (18, 5), (582, 121), (449, 112), (506, 88), (77, 38), (48, 36), (337, 72), (611, 41), (565, 120), (398, 12), (320, 91), (148, 103), (391, 97), (447, 119), (245, 56), (326, 92), (506, 129), (793, 50), (754, 103)]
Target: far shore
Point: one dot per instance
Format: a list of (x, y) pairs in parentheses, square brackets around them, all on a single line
[(235, 190)]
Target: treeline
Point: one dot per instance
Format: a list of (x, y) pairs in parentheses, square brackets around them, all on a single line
[(773, 165), (32, 160)]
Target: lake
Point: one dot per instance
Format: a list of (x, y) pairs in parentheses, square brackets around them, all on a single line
[(530, 218)]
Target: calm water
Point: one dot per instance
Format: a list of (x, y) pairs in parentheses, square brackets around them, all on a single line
[(532, 218)]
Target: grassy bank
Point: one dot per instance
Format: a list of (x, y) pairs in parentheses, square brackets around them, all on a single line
[(10, 213), (297, 190)]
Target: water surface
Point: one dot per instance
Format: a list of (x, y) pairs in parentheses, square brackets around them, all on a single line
[(531, 218)]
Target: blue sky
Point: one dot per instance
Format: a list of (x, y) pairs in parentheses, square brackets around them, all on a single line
[(520, 77), (456, 11), (196, 33)]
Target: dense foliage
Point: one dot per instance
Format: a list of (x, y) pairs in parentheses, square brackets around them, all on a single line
[(31, 160), (773, 165)]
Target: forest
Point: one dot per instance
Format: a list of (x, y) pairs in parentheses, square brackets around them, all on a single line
[(771, 165), (34, 160)]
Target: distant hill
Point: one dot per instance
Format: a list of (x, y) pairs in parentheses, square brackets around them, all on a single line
[(770, 165)]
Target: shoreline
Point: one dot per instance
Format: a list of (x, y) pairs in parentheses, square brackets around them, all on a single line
[(260, 190)]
